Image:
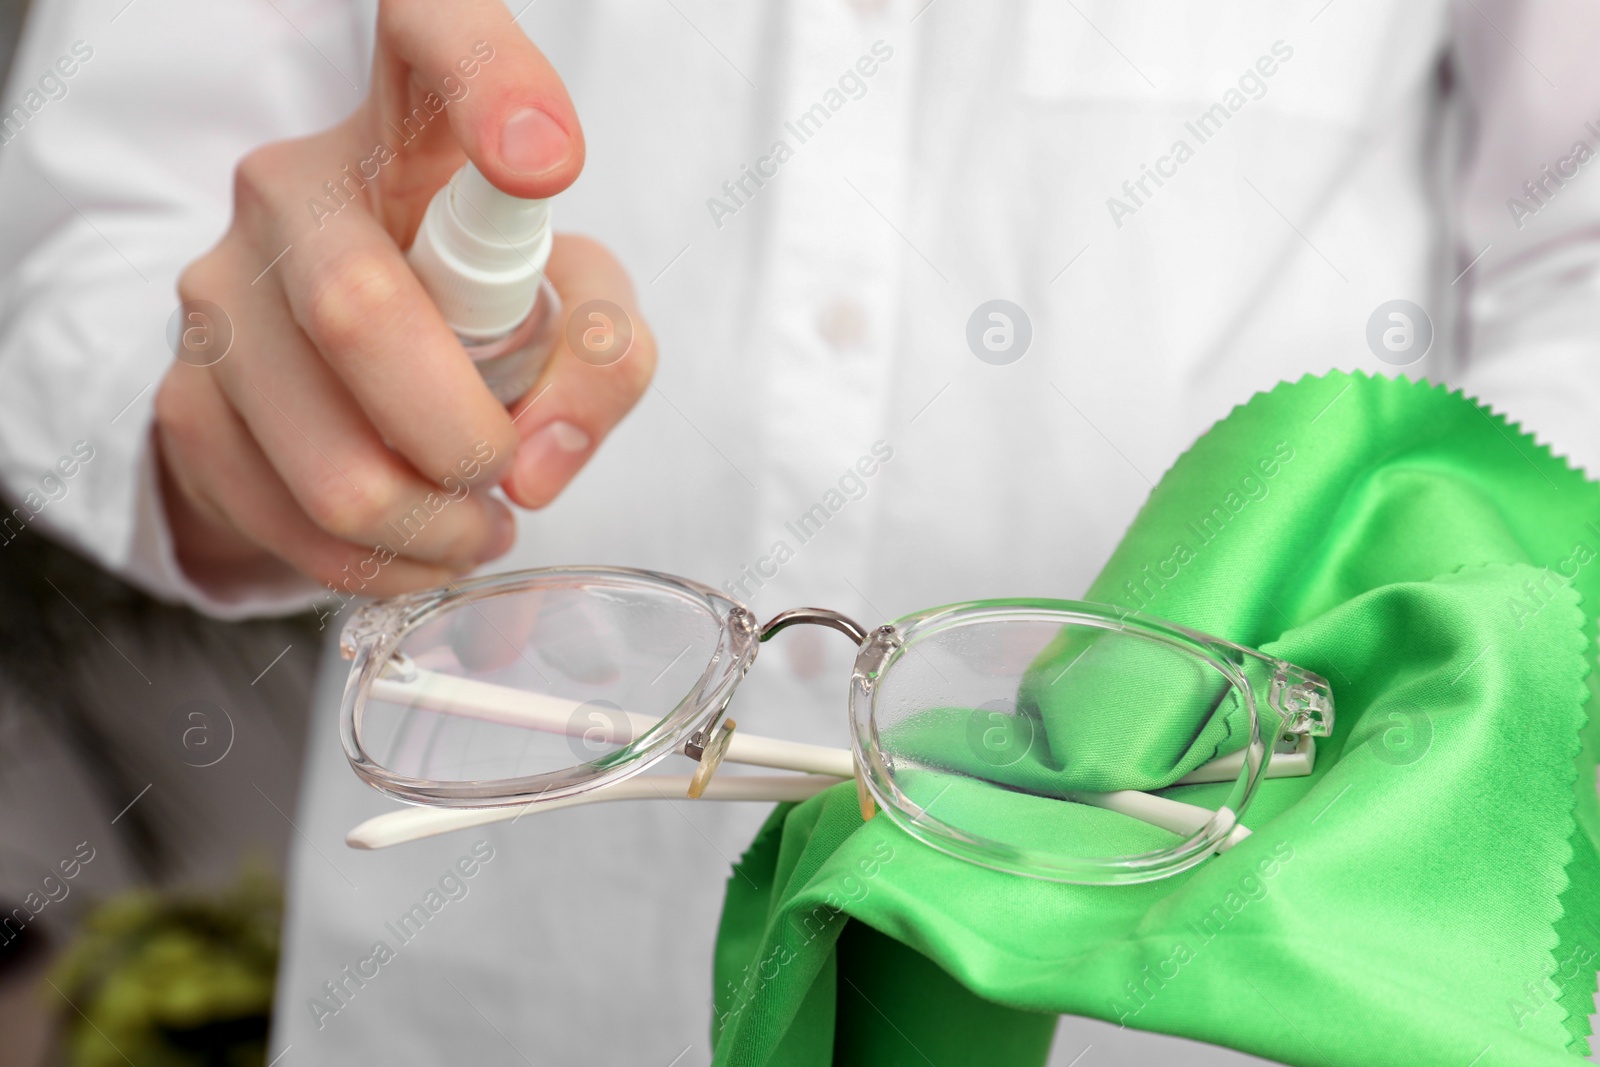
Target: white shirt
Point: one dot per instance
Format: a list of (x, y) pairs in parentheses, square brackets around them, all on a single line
[(1337, 156)]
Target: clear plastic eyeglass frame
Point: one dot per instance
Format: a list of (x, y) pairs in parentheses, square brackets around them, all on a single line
[(1281, 722)]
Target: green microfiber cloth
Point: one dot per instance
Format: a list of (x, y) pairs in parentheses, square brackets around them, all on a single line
[(1430, 895)]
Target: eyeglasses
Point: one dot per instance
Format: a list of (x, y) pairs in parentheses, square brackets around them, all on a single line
[(1048, 738)]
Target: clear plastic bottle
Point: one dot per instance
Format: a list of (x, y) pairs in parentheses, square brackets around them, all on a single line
[(480, 254), (511, 363)]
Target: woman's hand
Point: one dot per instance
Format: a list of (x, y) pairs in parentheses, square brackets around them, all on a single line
[(344, 415)]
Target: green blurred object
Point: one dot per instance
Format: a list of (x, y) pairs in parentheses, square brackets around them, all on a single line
[(173, 979), (1429, 895)]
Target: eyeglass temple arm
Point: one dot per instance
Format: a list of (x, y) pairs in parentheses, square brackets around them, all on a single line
[(823, 767), (411, 824), (432, 691)]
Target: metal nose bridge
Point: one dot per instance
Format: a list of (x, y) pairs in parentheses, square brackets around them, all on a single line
[(816, 617)]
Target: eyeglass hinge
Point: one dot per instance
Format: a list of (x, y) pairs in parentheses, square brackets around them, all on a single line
[(1304, 703), (371, 621)]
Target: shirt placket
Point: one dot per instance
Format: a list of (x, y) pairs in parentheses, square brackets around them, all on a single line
[(831, 304)]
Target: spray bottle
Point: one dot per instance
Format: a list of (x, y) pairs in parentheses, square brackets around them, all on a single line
[(480, 253)]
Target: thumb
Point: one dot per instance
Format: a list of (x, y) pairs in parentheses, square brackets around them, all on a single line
[(507, 107)]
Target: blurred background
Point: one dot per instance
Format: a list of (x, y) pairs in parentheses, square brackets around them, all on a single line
[(140, 874), (140, 870)]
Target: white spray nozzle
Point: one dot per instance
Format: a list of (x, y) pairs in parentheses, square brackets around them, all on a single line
[(493, 216), (480, 253)]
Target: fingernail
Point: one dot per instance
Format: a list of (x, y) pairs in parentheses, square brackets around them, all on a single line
[(503, 531), (532, 142), (547, 459)]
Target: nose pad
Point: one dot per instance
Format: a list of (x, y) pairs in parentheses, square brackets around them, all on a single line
[(712, 752), (869, 807), (808, 656), (711, 758)]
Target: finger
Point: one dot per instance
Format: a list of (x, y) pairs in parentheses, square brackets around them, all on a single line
[(224, 476), (351, 292), (580, 396), (338, 469), (372, 323), (494, 634), (505, 104)]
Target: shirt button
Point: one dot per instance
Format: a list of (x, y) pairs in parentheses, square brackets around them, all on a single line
[(808, 658), (843, 324)]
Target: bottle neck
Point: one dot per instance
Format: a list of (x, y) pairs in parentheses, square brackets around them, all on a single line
[(480, 254)]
